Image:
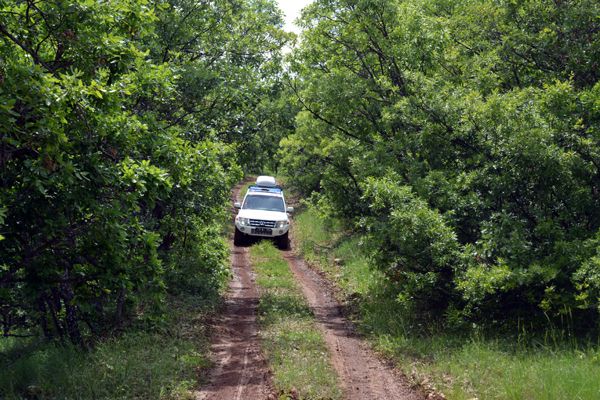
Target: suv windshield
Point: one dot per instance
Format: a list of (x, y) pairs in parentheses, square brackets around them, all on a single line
[(266, 203)]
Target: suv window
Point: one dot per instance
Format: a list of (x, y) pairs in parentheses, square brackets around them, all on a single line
[(265, 203)]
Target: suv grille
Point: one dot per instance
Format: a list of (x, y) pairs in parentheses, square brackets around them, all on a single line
[(260, 223)]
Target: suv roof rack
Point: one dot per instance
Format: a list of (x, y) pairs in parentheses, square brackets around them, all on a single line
[(265, 189)]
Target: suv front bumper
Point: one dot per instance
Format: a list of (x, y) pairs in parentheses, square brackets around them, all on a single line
[(262, 228)]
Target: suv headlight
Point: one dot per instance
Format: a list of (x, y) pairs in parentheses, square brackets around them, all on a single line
[(243, 221), (282, 224)]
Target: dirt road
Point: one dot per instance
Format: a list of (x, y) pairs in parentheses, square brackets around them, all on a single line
[(240, 371), (362, 375)]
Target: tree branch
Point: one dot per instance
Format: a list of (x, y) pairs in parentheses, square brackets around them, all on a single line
[(328, 122), (27, 49)]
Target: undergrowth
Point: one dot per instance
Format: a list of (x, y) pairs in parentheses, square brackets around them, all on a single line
[(462, 364), (162, 363)]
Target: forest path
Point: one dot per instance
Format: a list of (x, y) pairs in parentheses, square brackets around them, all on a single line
[(240, 372)]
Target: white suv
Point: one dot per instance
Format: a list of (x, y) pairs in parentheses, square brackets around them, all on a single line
[(263, 213)]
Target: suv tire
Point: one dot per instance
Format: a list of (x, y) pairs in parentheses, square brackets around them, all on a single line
[(283, 241), (239, 238)]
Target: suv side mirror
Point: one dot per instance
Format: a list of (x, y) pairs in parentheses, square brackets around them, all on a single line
[(237, 205), (289, 210)]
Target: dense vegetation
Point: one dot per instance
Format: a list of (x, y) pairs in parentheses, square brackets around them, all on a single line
[(463, 139), (459, 138), (123, 126)]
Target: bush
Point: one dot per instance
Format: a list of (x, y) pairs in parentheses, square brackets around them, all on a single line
[(411, 243)]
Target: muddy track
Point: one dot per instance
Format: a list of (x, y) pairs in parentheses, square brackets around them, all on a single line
[(362, 375), (240, 372)]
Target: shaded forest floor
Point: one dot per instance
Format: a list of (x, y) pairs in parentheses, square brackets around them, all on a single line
[(164, 362)]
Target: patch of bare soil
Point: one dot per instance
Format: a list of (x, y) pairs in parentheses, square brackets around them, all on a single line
[(240, 372), (361, 373)]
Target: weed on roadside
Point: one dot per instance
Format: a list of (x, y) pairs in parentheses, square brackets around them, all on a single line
[(163, 364)]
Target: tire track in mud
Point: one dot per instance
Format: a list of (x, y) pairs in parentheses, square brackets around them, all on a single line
[(240, 372), (362, 375)]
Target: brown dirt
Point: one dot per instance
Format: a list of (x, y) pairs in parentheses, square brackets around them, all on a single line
[(362, 374), (240, 372)]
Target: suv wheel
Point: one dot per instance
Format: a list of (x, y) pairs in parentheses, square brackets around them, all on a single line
[(239, 238), (283, 241)]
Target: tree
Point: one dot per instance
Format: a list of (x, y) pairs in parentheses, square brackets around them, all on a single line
[(118, 153), (483, 112)]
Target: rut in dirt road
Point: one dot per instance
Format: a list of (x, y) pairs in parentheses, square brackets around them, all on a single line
[(361, 374), (240, 372)]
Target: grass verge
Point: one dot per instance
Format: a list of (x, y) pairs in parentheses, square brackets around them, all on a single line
[(136, 365), (461, 366), (294, 347)]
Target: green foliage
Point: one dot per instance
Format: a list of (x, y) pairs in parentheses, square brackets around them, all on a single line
[(587, 277), (410, 242), (229, 64), (463, 137), (122, 129)]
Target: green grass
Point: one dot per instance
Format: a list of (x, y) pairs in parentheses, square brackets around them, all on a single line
[(462, 366), (293, 345), (135, 365)]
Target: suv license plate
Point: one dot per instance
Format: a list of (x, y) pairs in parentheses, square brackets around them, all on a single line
[(261, 231)]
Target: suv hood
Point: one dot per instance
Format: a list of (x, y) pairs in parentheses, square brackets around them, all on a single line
[(265, 215)]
